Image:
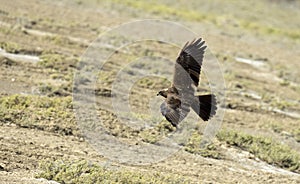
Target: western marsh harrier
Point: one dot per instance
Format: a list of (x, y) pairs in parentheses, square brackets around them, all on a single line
[(181, 95)]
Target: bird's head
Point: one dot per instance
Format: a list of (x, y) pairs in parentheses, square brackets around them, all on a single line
[(163, 93)]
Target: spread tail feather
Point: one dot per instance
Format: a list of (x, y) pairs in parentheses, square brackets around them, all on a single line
[(205, 106)]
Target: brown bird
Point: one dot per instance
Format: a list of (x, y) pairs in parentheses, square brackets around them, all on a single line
[(181, 95)]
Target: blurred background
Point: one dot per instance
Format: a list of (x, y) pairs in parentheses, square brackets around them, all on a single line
[(257, 44)]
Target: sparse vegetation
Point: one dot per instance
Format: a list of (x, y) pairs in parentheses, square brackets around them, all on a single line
[(57, 61), (157, 133), (151, 82), (189, 14), (264, 148), (297, 134), (150, 136), (36, 110), (58, 90), (81, 171), (10, 47), (105, 78), (51, 114), (209, 150)]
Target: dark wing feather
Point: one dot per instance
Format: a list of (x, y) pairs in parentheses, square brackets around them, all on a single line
[(188, 64), (174, 115)]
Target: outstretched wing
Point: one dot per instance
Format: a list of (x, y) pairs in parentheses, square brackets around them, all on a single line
[(174, 114), (188, 65)]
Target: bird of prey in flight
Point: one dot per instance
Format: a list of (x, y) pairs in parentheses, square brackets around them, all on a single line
[(180, 97)]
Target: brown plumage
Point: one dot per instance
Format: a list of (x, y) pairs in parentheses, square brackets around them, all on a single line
[(180, 96)]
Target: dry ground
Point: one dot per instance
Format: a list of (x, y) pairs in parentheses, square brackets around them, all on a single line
[(256, 43)]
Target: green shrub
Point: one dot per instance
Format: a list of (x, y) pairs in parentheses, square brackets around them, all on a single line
[(52, 114), (264, 148), (81, 171), (10, 47), (57, 61), (209, 150)]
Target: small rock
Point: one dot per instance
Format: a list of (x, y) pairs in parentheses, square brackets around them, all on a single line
[(239, 86), (2, 168), (231, 106), (33, 22)]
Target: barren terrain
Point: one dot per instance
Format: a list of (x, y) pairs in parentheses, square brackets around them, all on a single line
[(45, 43)]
